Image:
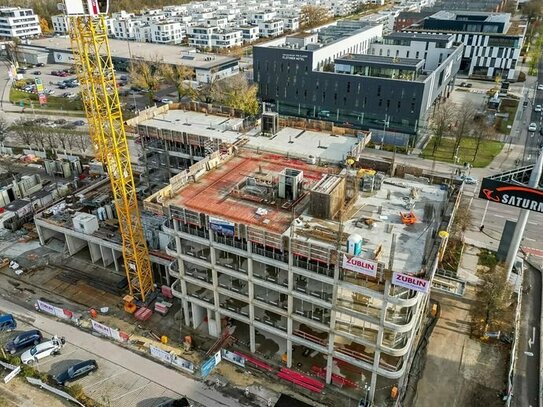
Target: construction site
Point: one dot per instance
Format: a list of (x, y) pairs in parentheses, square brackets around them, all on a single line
[(277, 246)]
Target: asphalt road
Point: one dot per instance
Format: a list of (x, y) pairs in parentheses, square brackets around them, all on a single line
[(534, 139), (123, 379), (526, 380)]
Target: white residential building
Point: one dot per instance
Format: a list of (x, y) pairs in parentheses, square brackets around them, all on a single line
[(142, 33), (16, 22), (167, 32), (227, 39), (291, 23), (200, 36), (271, 28), (60, 24), (250, 33)]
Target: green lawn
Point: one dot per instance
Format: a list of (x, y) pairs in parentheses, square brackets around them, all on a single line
[(487, 151), (511, 108), (17, 96)]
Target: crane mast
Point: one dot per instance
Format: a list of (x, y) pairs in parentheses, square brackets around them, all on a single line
[(94, 69)]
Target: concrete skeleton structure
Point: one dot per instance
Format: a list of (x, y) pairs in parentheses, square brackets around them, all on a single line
[(275, 249)]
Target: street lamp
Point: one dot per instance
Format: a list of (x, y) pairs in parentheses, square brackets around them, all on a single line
[(386, 123)]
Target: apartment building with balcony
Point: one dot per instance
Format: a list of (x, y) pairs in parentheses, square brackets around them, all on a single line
[(300, 259), (271, 28), (249, 33), (167, 32), (17, 22)]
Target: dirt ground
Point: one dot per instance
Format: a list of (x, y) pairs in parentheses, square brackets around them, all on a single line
[(471, 372), (19, 393)]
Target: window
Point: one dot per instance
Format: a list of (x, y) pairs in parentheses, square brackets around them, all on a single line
[(399, 105), (379, 90), (380, 102)]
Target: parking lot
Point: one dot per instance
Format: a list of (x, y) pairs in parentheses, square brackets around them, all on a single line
[(111, 384)]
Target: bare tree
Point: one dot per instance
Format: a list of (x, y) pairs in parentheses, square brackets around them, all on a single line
[(23, 132), (494, 292), (441, 122), (313, 16), (481, 132), (4, 130), (181, 77), (463, 124), (81, 141)]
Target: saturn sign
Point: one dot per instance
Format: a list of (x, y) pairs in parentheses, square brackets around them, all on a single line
[(360, 265)]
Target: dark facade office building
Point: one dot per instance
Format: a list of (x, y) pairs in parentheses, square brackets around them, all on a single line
[(387, 84)]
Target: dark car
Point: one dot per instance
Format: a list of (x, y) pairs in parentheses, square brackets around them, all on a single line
[(7, 323), (63, 86), (76, 371), (37, 72), (79, 123), (21, 70), (24, 340), (182, 402), (40, 65)]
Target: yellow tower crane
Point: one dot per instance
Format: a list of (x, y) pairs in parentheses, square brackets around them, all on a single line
[(94, 70)]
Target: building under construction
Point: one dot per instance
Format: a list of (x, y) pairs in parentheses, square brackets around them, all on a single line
[(296, 261)]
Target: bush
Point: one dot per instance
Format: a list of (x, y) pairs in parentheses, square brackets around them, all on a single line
[(76, 391), (521, 77)]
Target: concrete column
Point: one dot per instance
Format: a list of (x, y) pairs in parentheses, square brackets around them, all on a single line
[(252, 333), (523, 217)]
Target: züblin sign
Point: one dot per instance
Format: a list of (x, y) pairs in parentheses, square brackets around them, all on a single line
[(511, 194)]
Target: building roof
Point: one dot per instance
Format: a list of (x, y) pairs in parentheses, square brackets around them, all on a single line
[(419, 36), (367, 59), (376, 217), (169, 54), (212, 193), (199, 124)]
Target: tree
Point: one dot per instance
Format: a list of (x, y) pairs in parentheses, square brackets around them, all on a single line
[(494, 293), (237, 93), (441, 122), (481, 132), (146, 75), (23, 131), (313, 16), (181, 77), (4, 130), (44, 25), (532, 8), (463, 124)]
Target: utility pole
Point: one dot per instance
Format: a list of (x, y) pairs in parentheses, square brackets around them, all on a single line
[(523, 217)]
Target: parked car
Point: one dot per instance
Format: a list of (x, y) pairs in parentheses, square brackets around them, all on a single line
[(182, 402), (21, 70), (49, 91), (470, 180), (540, 86), (166, 101), (7, 323), (23, 340), (71, 96), (76, 371), (42, 350), (61, 121), (537, 108), (63, 86), (36, 73), (40, 65), (79, 123), (532, 127)]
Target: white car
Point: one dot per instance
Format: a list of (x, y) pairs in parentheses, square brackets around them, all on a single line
[(43, 350), (540, 87), (532, 127), (166, 101), (537, 108)]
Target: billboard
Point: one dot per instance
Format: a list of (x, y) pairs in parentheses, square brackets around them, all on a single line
[(359, 265), (518, 196), (233, 357), (209, 364), (410, 282), (223, 227), (42, 98)]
